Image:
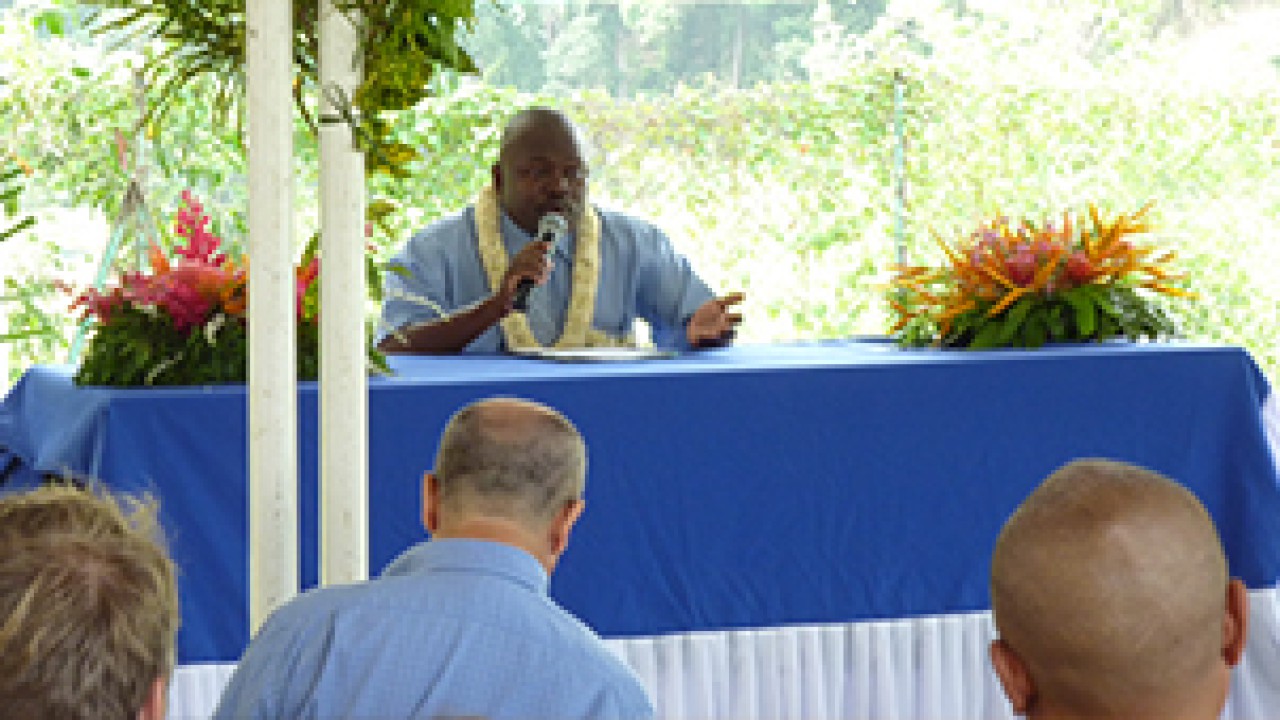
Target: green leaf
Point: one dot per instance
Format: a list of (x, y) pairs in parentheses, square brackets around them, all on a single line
[(25, 335), (1101, 297), (311, 249), (1036, 333), (988, 336), (1056, 322), (22, 225), (1085, 312), (51, 22), (399, 269), (1107, 326), (373, 279), (1014, 318)]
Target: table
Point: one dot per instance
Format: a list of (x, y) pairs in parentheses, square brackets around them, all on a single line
[(825, 491)]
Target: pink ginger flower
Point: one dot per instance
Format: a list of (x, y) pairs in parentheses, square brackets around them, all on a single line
[(190, 222), (188, 287)]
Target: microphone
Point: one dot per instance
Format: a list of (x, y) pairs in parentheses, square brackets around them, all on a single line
[(551, 228)]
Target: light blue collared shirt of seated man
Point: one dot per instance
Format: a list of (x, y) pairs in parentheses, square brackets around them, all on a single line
[(641, 276), (452, 628)]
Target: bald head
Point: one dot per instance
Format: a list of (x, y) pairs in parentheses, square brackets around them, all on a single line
[(531, 124), (542, 168), (511, 459), (1110, 583)]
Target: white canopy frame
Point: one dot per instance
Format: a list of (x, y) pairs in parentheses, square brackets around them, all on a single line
[(273, 397), (344, 392), (273, 406)]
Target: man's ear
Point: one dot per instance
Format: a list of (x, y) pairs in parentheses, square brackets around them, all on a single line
[(563, 525), (153, 708), (1016, 680), (1235, 624), (430, 503)]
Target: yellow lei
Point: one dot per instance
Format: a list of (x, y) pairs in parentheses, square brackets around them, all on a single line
[(577, 331)]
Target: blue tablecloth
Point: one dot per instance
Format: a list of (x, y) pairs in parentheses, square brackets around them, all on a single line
[(744, 487)]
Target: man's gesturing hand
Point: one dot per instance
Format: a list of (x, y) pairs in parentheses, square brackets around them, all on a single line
[(712, 325)]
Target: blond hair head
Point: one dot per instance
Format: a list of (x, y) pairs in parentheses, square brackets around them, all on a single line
[(89, 604)]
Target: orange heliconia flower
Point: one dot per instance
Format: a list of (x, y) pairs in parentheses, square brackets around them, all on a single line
[(1002, 262)]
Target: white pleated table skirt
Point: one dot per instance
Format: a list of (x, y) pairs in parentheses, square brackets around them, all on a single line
[(912, 669)]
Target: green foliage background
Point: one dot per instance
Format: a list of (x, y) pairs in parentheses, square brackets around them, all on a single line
[(777, 182)]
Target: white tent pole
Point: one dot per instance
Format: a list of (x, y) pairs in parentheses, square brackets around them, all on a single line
[(273, 397), (344, 469)]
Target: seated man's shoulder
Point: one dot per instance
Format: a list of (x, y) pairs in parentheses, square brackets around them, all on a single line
[(579, 641), (631, 234), (444, 232), (576, 657), (618, 221)]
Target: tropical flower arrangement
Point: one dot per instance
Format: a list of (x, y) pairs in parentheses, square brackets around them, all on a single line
[(184, 322), (1022, 284)]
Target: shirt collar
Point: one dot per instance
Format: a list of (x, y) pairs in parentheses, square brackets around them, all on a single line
[(515, 238), (475, 555)]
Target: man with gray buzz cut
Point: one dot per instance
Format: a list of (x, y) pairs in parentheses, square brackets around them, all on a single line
[(1110, 593), (460, 625)]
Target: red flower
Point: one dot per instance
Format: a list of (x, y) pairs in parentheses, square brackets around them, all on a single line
[(98, 304), (1079, 268), (193, 285), (1021, 265), (186, 306), (305, 276)]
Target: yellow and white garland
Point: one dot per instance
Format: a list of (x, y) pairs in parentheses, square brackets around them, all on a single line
[(577, 331)]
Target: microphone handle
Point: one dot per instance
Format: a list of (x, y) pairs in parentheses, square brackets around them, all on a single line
[(521, 300)]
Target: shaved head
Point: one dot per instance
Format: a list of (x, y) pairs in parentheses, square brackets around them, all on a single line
[(1110, 583), (533, 122)]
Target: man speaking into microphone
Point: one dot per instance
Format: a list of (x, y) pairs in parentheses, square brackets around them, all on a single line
[(454, 286)]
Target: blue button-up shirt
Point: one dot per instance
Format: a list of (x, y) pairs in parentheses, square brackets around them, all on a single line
[(453, 628), (641, 276)]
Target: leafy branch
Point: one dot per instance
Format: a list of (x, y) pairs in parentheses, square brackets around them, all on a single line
[(11, 175), (403, 44)]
